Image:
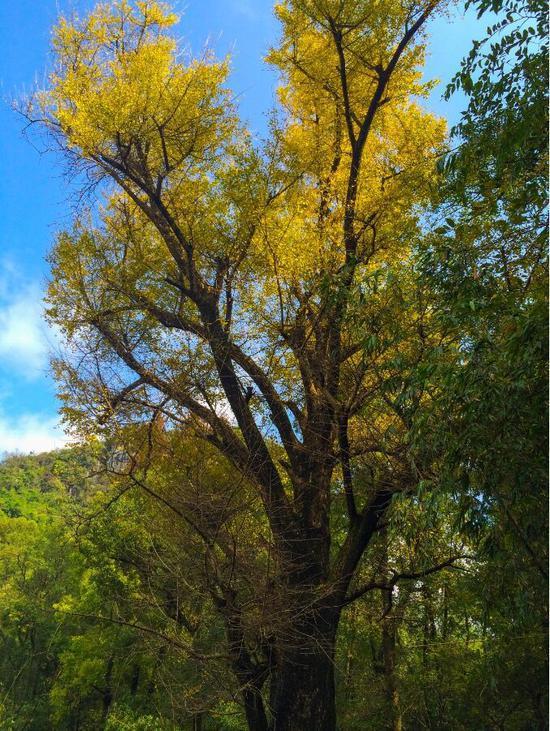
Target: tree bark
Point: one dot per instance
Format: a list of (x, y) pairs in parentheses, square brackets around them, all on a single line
[(302, 696), (107, 692), (254, 710), (389, 639), (389, 632)]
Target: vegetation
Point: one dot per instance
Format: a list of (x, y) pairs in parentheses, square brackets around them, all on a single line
[(309, 380)]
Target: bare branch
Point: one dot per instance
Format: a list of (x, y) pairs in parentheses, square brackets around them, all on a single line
[(411, 575)]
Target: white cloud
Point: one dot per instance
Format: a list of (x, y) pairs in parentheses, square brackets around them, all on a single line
[(23, 333), (26, 340), (30, 433), (25, 344)]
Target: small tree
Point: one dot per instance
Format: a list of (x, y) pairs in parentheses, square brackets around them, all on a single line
[(257, 296)]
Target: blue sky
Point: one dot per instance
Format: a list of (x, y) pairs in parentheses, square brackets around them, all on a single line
[(35, 197)]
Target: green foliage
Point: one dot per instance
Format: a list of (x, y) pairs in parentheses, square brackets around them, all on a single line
[(87, 633), (487, 273), (485, 424), (504, 127)]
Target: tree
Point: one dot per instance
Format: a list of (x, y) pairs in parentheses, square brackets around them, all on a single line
[(256, 297), (487, 269), (486, 265)]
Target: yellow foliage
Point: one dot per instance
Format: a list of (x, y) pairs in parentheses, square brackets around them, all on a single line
[(119, 88), (191, 185)]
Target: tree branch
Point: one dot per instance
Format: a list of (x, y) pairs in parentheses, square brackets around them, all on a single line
[(411, 575)]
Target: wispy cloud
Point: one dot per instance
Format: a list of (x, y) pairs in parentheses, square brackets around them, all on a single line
[(23, 334), (245, 8), (25, 344), (30, 433), (25, 339)]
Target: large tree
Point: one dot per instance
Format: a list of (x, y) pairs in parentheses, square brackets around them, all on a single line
[(257, 296)]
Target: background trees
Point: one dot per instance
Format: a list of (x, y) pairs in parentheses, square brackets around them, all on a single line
[(487, 266)]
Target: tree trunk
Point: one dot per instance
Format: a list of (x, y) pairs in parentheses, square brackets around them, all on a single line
[(255, 711), (302, 694), (350, 660), (134, 681), (389, 638), (107, 693), (389, 632)]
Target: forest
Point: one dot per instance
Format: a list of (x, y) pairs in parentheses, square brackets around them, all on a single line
[(305, 379)]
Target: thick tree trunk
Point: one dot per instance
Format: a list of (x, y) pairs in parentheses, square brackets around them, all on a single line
[(304, 699), (302, 694), (255, 711)]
